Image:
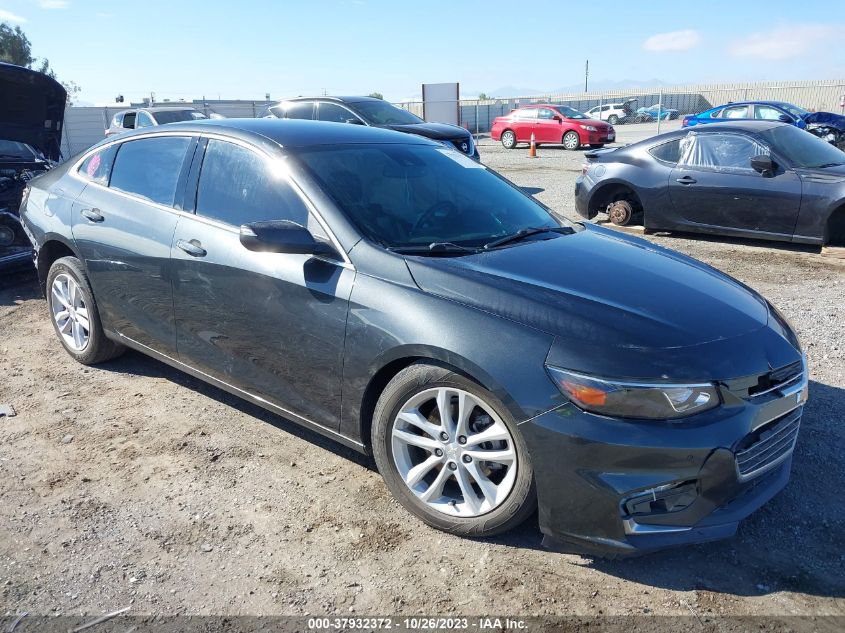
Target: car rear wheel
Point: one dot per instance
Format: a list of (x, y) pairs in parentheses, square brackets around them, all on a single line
[(571, 140), (74, 314), (508, 139), (613, 119), (620, 212), (451, 453)]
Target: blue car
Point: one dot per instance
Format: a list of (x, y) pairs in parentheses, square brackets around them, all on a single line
[(659, 110), (751, 110)]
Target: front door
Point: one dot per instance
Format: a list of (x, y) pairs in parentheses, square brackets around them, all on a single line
[(713, 185), (548, 128), (123, 225), (271, 324)]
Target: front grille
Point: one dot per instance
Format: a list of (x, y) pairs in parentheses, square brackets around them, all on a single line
[(769, 445), (777, 379)]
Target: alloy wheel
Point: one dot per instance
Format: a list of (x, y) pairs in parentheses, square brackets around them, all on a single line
[(453, 452), (571, 140), (70, 312)]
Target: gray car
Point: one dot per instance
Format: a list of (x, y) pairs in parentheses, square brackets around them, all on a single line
[(138, 118), (401, 298)]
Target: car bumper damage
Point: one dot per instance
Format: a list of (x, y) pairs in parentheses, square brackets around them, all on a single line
[(615, 487)]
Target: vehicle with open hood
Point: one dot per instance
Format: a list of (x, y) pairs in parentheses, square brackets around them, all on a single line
[(32, 110)]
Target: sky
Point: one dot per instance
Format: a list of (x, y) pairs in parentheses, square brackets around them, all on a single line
[(243, 50)]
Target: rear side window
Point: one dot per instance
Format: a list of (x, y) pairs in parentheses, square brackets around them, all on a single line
[(238, 186), (97, 167), (144, 120), (667, 152), (734, 112), (527, 113), (150, 167), (129, 121), (299, 110)]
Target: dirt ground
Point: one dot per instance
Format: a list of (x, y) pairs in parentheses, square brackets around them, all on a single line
[(134, 485)]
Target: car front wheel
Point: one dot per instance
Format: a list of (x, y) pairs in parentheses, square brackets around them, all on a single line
[(508, 139), (74, 314), (451, 454), (571, 140), (613, 119)]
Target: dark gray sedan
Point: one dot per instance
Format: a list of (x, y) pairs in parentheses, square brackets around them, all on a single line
[(401, 298), (755, 179)]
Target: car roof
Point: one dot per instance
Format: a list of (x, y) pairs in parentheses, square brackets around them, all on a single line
[(291, 132), (736, 126), (352, 99), (160, 109), (772, 103)]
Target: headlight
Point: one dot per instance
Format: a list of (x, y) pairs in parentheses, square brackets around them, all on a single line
[(589, 128), (634, 400)]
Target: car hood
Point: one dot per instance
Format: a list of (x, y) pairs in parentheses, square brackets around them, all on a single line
[(32, 109), (827, 118), (598, 287), (436, 131)]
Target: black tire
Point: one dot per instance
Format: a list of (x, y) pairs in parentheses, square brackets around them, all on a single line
[(573, 145), (597, 145), (509, 139), (613, 119), (98, 348), (620, 212), (519, 504)]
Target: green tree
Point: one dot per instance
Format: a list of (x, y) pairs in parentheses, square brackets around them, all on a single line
[(15, 48), (484, 97), (376, 95)]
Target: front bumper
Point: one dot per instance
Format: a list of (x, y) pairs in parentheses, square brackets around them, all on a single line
[(599, 138), (616, 487)]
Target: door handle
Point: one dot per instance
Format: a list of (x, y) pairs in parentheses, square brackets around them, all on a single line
[(686, 180), (193, 247), (92, 215)]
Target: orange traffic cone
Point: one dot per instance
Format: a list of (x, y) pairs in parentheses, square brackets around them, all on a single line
[(532, 152)]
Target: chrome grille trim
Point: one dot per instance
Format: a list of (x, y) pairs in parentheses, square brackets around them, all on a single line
[(779, 386)]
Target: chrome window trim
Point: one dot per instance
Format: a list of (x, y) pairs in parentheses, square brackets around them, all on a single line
[(74, 173)]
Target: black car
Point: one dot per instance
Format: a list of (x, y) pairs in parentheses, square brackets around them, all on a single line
[(376, 113), (754, 179), (405, 300), (32, 107)]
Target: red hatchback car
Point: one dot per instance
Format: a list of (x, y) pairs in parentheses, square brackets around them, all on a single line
[(551, 124)]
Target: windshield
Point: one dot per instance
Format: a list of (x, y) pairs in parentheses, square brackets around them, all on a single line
[(794, 110), (802, 149), (382, 113), (416, 195), (14, 149), (570, 113), (174, 116)]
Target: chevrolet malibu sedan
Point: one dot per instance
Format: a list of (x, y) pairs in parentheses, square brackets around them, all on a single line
[(404, 300), (552, 125)]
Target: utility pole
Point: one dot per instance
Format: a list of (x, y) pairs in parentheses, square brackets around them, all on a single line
[(586, 74)]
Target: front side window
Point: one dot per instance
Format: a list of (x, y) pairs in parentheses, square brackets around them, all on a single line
[(378, 112), (767, 113), (300, 110), (97, 167), (415, 195), (150, 167), (238, 186), (720, 152), (333, 113), (129, 120), (545, 113), (175, 116)]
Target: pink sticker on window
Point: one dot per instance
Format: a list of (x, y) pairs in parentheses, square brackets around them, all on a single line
[(94, 165)]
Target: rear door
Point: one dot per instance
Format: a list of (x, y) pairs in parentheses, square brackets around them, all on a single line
[(713, 185), (123, 225), (523, 123), (268, 323)]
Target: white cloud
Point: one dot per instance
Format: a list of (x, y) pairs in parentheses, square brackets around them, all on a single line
[(53, 4), (785, 42), (8, 16), (672, 41)]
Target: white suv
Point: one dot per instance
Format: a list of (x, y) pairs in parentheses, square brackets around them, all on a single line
[(613, 113)]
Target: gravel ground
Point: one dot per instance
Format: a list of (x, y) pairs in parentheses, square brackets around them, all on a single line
[(134, 485)]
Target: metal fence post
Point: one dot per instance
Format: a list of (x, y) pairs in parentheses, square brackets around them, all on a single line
[(659, 109)]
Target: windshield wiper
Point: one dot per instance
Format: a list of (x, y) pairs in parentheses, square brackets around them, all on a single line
[(434, 248), (523, 233)]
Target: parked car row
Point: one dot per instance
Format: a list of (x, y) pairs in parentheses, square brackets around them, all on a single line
[(551, 124)]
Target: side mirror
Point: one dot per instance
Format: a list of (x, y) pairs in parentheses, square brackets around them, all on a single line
[(785, 118), (558, 118), (764, 164), (282, 236)]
